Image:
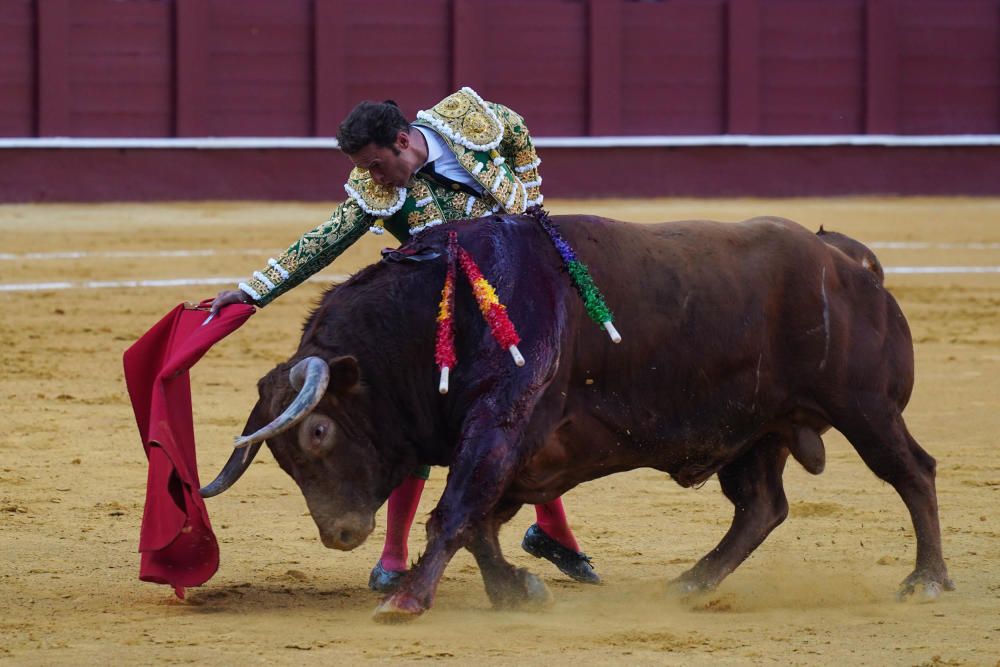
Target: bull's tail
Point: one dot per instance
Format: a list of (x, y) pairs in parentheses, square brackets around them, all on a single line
[(856, 250)]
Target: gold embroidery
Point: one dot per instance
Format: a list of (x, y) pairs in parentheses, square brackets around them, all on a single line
[(452, 205), (488, 175), (479, 128), (453, 106), (525, 156), (517, 204), (482, 206), (457, 206), (502, 193), (531, 176), (418, 189), (463, 119), (419, 218), (372, 195), (466, 158)]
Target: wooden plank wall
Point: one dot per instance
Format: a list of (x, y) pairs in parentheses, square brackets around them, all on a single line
[(18, 49), (189, 68)]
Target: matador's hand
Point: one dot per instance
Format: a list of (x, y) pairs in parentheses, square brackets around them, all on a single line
[(228, 297)]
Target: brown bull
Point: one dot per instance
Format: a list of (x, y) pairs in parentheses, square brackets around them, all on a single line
[(743, 343)]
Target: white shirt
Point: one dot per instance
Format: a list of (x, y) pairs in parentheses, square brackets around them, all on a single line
[(445, 162)]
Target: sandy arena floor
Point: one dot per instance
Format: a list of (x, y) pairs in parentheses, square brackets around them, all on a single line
[(820, 591)]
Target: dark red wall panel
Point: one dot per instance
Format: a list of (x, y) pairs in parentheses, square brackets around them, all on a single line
[(17, 68), (406, 43), (572, 67), (533, 58), (673, 68), (949, 66), (812, 73), (119, 68), (259, 64)]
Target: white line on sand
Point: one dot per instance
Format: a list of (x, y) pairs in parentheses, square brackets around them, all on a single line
[(129, 254), (942, 269), (107, 284), (923, 245)]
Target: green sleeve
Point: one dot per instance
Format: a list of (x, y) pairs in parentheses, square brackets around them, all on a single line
[(310, 254), (519, 151)]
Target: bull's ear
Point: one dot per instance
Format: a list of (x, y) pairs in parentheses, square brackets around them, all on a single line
[(345, 375)]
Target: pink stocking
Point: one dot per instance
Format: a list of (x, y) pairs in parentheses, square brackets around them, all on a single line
[(551, 518), (403, 502)]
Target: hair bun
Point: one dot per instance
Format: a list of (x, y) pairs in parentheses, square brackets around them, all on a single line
[(392, 102)]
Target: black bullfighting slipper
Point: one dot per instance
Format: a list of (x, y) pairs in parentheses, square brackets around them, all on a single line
[(574, 564), (382, 580)]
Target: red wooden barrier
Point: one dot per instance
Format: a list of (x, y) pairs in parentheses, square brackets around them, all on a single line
[(674, 68), (949, 65), (812, 76), (571, 67), (17, 69), (194, 68)]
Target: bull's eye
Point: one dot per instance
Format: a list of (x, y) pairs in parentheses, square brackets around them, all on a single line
[(316, 435)]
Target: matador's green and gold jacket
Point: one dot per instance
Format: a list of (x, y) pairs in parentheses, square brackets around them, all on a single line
[(490, 141)]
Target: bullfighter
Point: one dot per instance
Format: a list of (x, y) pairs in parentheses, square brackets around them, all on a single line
[(463, 158)]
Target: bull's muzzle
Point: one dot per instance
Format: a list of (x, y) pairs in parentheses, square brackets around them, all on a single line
[(346, 532)]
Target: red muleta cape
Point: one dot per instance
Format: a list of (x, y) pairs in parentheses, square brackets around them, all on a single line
[(176, 540)]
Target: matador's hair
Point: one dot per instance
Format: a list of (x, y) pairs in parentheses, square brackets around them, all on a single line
[(371, 123)]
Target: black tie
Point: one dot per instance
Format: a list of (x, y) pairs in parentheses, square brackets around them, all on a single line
[(428, 171)]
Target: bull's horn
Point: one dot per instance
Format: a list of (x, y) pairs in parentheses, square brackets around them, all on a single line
[(310, 376), (239, 461), (237, 464)]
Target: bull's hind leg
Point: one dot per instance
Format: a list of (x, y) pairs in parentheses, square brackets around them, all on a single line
[(507, 586), (887, 447), (753, 484)]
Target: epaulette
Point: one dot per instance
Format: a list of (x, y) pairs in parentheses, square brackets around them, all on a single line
[(466, 119), (380, 201)]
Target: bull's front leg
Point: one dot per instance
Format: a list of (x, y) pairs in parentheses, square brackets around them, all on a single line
[(485, 463)]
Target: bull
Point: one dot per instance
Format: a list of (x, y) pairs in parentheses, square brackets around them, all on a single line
[(743, 344)]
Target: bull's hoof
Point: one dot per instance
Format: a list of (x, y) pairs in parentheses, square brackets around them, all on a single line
[(537, 594), (524, 591), (684, 586), (924, 586), (398, 608)]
